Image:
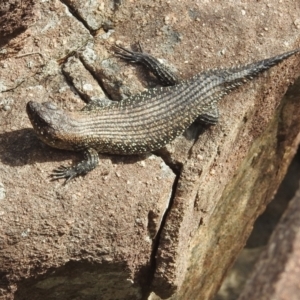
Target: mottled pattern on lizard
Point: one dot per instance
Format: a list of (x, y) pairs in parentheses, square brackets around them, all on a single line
[(144, 122)]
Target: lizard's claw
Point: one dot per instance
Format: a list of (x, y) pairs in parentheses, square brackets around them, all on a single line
[(89, 163), (164, 74), (64, 172), (131, 56)]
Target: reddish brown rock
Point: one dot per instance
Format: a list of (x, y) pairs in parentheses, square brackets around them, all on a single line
[(109, 231), (277, 272), (15, 18), (82, 80), (94, 14)]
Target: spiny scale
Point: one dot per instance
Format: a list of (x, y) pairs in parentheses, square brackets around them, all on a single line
[(144, 122)]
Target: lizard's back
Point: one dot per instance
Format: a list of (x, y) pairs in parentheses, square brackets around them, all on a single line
[(149, 120)]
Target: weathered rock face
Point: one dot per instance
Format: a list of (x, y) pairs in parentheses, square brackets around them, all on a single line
[(16, 17), (276, 274), (131, 227)]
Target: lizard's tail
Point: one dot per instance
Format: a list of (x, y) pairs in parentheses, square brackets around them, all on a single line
[(237, 76)]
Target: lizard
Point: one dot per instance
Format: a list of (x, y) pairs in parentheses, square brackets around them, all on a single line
[(143, 122)]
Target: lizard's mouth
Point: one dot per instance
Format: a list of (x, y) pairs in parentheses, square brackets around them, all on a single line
[(44, 118), (37, 116), (51, 124)]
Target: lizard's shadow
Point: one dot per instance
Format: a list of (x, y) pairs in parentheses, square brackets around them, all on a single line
[(22, 147), (17, 147)]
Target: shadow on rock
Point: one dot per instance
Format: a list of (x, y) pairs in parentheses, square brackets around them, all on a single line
[(21, 147)]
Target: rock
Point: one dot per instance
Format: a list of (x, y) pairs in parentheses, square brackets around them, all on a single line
[(133, 225), (276, 274)]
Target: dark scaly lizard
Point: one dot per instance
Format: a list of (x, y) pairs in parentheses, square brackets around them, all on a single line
[(144, 122)]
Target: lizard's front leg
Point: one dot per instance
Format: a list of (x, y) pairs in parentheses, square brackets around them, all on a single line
[(90, 162)]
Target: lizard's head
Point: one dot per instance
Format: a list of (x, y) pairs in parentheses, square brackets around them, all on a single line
[(50, 123)]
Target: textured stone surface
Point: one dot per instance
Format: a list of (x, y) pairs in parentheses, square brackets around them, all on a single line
[(98, 229), (15, 18), (94, 13), (276, 274), (264, 226), (111, 220), (82, 80)]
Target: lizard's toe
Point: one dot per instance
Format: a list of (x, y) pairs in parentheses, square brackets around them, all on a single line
[(63, 172)]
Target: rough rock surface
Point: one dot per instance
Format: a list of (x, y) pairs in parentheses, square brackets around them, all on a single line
[(98, 229), (116, 229), (15, 18), (264, 226), (276, 274)]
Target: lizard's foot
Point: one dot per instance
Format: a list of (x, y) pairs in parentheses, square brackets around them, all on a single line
[(67, 173), (131, 56), (164, 74), (89, 163)]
